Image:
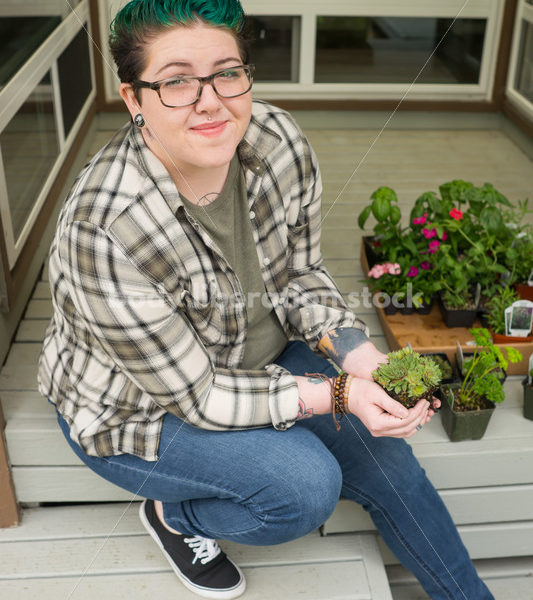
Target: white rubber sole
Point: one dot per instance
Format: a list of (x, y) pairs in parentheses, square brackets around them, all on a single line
[(228, 594)]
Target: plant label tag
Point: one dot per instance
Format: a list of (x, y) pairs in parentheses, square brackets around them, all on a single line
[(530, 370), (460, 356), (530, 279), (507, 314), (521, 318), (477, 295)]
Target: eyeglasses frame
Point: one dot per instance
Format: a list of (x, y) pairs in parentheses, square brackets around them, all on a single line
[(208, 79)]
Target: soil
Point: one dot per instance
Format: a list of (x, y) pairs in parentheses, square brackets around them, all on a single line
[(470, 305), (481, 403), (408, 402)]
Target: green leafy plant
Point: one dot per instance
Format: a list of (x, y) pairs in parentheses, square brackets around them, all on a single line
[(496, 306), (519, 259), (482, 373), (393, 240), (408, 377), (462, 234)]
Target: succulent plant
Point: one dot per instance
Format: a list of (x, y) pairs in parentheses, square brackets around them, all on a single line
[(408, 377), (444, 366)]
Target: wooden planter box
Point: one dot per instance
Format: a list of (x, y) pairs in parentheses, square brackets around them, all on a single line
[(428, 333)]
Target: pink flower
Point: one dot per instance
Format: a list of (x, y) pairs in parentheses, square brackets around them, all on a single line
[(444, 236), (433, 246), (429, 234), (419, 220), (413, 272), (377, 271), (456, 214), (425, 265), (393, 268)]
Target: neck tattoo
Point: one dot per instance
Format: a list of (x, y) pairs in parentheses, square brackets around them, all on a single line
[(208, 198)]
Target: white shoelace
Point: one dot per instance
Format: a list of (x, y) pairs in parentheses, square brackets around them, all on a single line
[(204, 549)]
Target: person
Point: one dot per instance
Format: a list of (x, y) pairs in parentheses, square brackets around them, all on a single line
[(194, 352)]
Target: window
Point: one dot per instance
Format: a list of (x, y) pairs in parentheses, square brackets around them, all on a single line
[(21, 36), (395, 50), (524, 71), (275, 47), (30, 147), (520, 79), (74, 69)]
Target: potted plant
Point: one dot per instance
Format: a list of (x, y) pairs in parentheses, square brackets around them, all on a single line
[(503, 298), (457, 298), (468, 405), (445, 366), (386, 283), (519, 256), (408, 377), (390, 241), (528, 391)]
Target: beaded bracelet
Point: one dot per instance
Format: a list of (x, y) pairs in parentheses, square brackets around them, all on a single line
[(341, 389), (340, 386)]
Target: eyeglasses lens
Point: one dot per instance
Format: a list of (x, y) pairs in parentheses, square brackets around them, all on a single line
[(227, 84)]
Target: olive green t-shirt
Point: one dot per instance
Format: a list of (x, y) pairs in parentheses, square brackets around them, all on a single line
[(227, 222)]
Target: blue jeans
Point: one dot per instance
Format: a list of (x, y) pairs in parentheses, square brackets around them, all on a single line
[(263, 486)]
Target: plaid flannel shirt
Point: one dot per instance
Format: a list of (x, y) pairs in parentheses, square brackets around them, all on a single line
[(142, 325)]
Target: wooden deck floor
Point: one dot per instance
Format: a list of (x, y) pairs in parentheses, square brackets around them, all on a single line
[(129, 565)]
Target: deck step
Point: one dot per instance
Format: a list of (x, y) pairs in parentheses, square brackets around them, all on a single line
[(90, 548)]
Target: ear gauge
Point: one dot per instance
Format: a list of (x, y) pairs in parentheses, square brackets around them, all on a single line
[(139, 120)]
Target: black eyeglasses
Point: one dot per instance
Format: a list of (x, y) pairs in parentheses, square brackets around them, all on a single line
[(185, 90)]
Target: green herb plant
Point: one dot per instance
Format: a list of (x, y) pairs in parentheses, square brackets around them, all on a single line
[(482, 373), (408, 377), (503, 298), (394, 241)]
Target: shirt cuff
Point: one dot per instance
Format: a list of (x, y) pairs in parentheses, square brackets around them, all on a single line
[(283, 397)]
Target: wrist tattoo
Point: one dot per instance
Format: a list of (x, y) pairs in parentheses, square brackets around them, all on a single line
[(303, 411), (337, 343)]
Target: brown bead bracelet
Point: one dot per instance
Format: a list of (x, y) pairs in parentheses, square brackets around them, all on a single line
[(340, 387)]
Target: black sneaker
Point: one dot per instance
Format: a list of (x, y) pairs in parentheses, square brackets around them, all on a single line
[(199, 562)]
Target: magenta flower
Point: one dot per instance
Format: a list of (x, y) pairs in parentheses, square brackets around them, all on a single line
[(433, 246), (428, 234), (444, 236), (413, 272), (425, 265), (419, 220), (456, 214)]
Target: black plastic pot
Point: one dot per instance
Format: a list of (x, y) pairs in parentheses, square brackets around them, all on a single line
[(390, 309), (528, 400), (457, 317), (425, 309), (372, 257), (460, 426)]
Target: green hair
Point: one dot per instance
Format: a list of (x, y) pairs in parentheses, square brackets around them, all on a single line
[(141, 19)]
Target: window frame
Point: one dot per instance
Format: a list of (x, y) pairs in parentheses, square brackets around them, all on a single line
[(15, 94), (524, 14)]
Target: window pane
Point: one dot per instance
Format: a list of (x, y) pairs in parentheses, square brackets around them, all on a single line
[(394, 50), (20, 37), (29, 149), (524, 78), (74, 69), (275, 47)]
